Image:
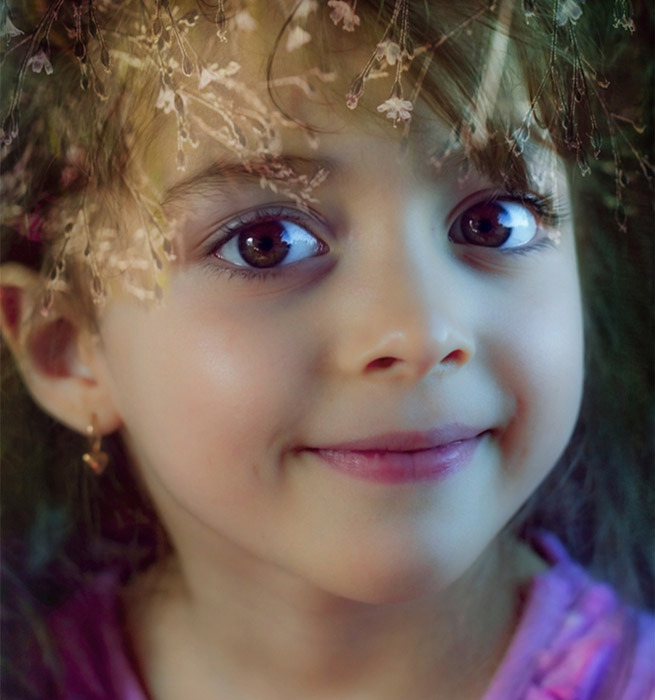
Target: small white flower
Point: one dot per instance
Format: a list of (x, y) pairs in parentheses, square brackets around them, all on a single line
[(206, 77), (396, 108), (9, 29), (297, 37), (519, 138), (244, 21), (214, 74), (388, 51), (166, 100), (569, 10), (529, 9), (7, 136), (342, 11), (305, 9), (40, 61)]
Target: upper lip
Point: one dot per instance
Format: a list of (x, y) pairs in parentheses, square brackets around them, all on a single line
[(410, 441)]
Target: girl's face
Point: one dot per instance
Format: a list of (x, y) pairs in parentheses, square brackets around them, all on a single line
[(359, 396)]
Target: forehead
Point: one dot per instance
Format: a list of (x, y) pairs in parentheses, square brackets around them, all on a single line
[(264, 93), (184, 104)]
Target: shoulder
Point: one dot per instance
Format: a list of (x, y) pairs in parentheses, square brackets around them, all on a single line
[(576, 640), (88, 632)]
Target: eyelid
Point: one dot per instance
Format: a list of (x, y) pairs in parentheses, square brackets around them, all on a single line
[(464, 204), (544, 210), (230, 226), (543, 205)]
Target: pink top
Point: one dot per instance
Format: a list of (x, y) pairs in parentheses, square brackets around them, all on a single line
[(571, 632)]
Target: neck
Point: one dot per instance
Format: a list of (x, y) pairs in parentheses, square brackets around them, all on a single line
[(256, 634)]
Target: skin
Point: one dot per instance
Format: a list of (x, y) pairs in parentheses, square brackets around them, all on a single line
[(291, 579), (321, 575)]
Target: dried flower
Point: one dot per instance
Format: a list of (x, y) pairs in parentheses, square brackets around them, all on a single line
[(529, 8), (520, 137), (40, 61), (397, 109), (355, 92), (388, 51), (166, 100), (297, 37), (305, 9), (342, 11), (214, 74), (241, 121), (569, 10), (9, 29), (75, 162), (244, 21), (9, 129)]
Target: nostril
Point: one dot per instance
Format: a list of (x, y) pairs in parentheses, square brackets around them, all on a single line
[(382, 363), (456, 357)]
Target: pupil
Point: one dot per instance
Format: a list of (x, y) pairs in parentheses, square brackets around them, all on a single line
[(264, 245), (482, 225)]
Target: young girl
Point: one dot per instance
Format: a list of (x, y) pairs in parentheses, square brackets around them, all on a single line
[(307, 278)]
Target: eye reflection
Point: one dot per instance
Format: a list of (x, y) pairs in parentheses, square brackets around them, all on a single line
[(265, 245), (268, 243), (495, 224)]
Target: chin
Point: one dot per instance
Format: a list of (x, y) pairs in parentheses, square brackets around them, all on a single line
[(400, 569), (379, 580)]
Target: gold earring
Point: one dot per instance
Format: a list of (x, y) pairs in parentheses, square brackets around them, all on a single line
[(95, 458)]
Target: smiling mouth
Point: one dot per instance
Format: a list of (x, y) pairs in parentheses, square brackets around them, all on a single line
[(398, 458)]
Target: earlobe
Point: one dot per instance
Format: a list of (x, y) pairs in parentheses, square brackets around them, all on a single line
[(56, 354)]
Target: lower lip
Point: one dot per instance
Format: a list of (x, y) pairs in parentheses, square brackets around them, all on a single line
[(434, 464)]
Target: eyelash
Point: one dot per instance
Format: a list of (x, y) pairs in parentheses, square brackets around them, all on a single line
[(247, 273), (548, 211), (552, 213), (529, 249), (252, 218)]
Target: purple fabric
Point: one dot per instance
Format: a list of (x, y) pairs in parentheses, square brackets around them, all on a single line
[(94, 654), (571, 632)]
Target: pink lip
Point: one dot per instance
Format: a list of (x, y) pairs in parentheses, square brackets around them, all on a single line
[(396, 458)]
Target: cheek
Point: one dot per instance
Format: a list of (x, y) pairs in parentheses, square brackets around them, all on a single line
[(539, 358), (204, 384)]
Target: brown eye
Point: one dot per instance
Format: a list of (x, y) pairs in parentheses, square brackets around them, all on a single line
[(482, 224), (268, 243), (264, 245), (495, 224)]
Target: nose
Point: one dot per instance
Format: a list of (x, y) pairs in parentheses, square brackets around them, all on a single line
[(405, 320)]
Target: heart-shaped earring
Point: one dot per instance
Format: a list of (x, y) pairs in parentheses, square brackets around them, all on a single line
[(95, 458)]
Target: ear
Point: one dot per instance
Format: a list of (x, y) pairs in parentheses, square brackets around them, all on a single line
[(58, 355)]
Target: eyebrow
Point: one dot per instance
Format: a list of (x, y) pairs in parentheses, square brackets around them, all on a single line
[(223, 172)]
